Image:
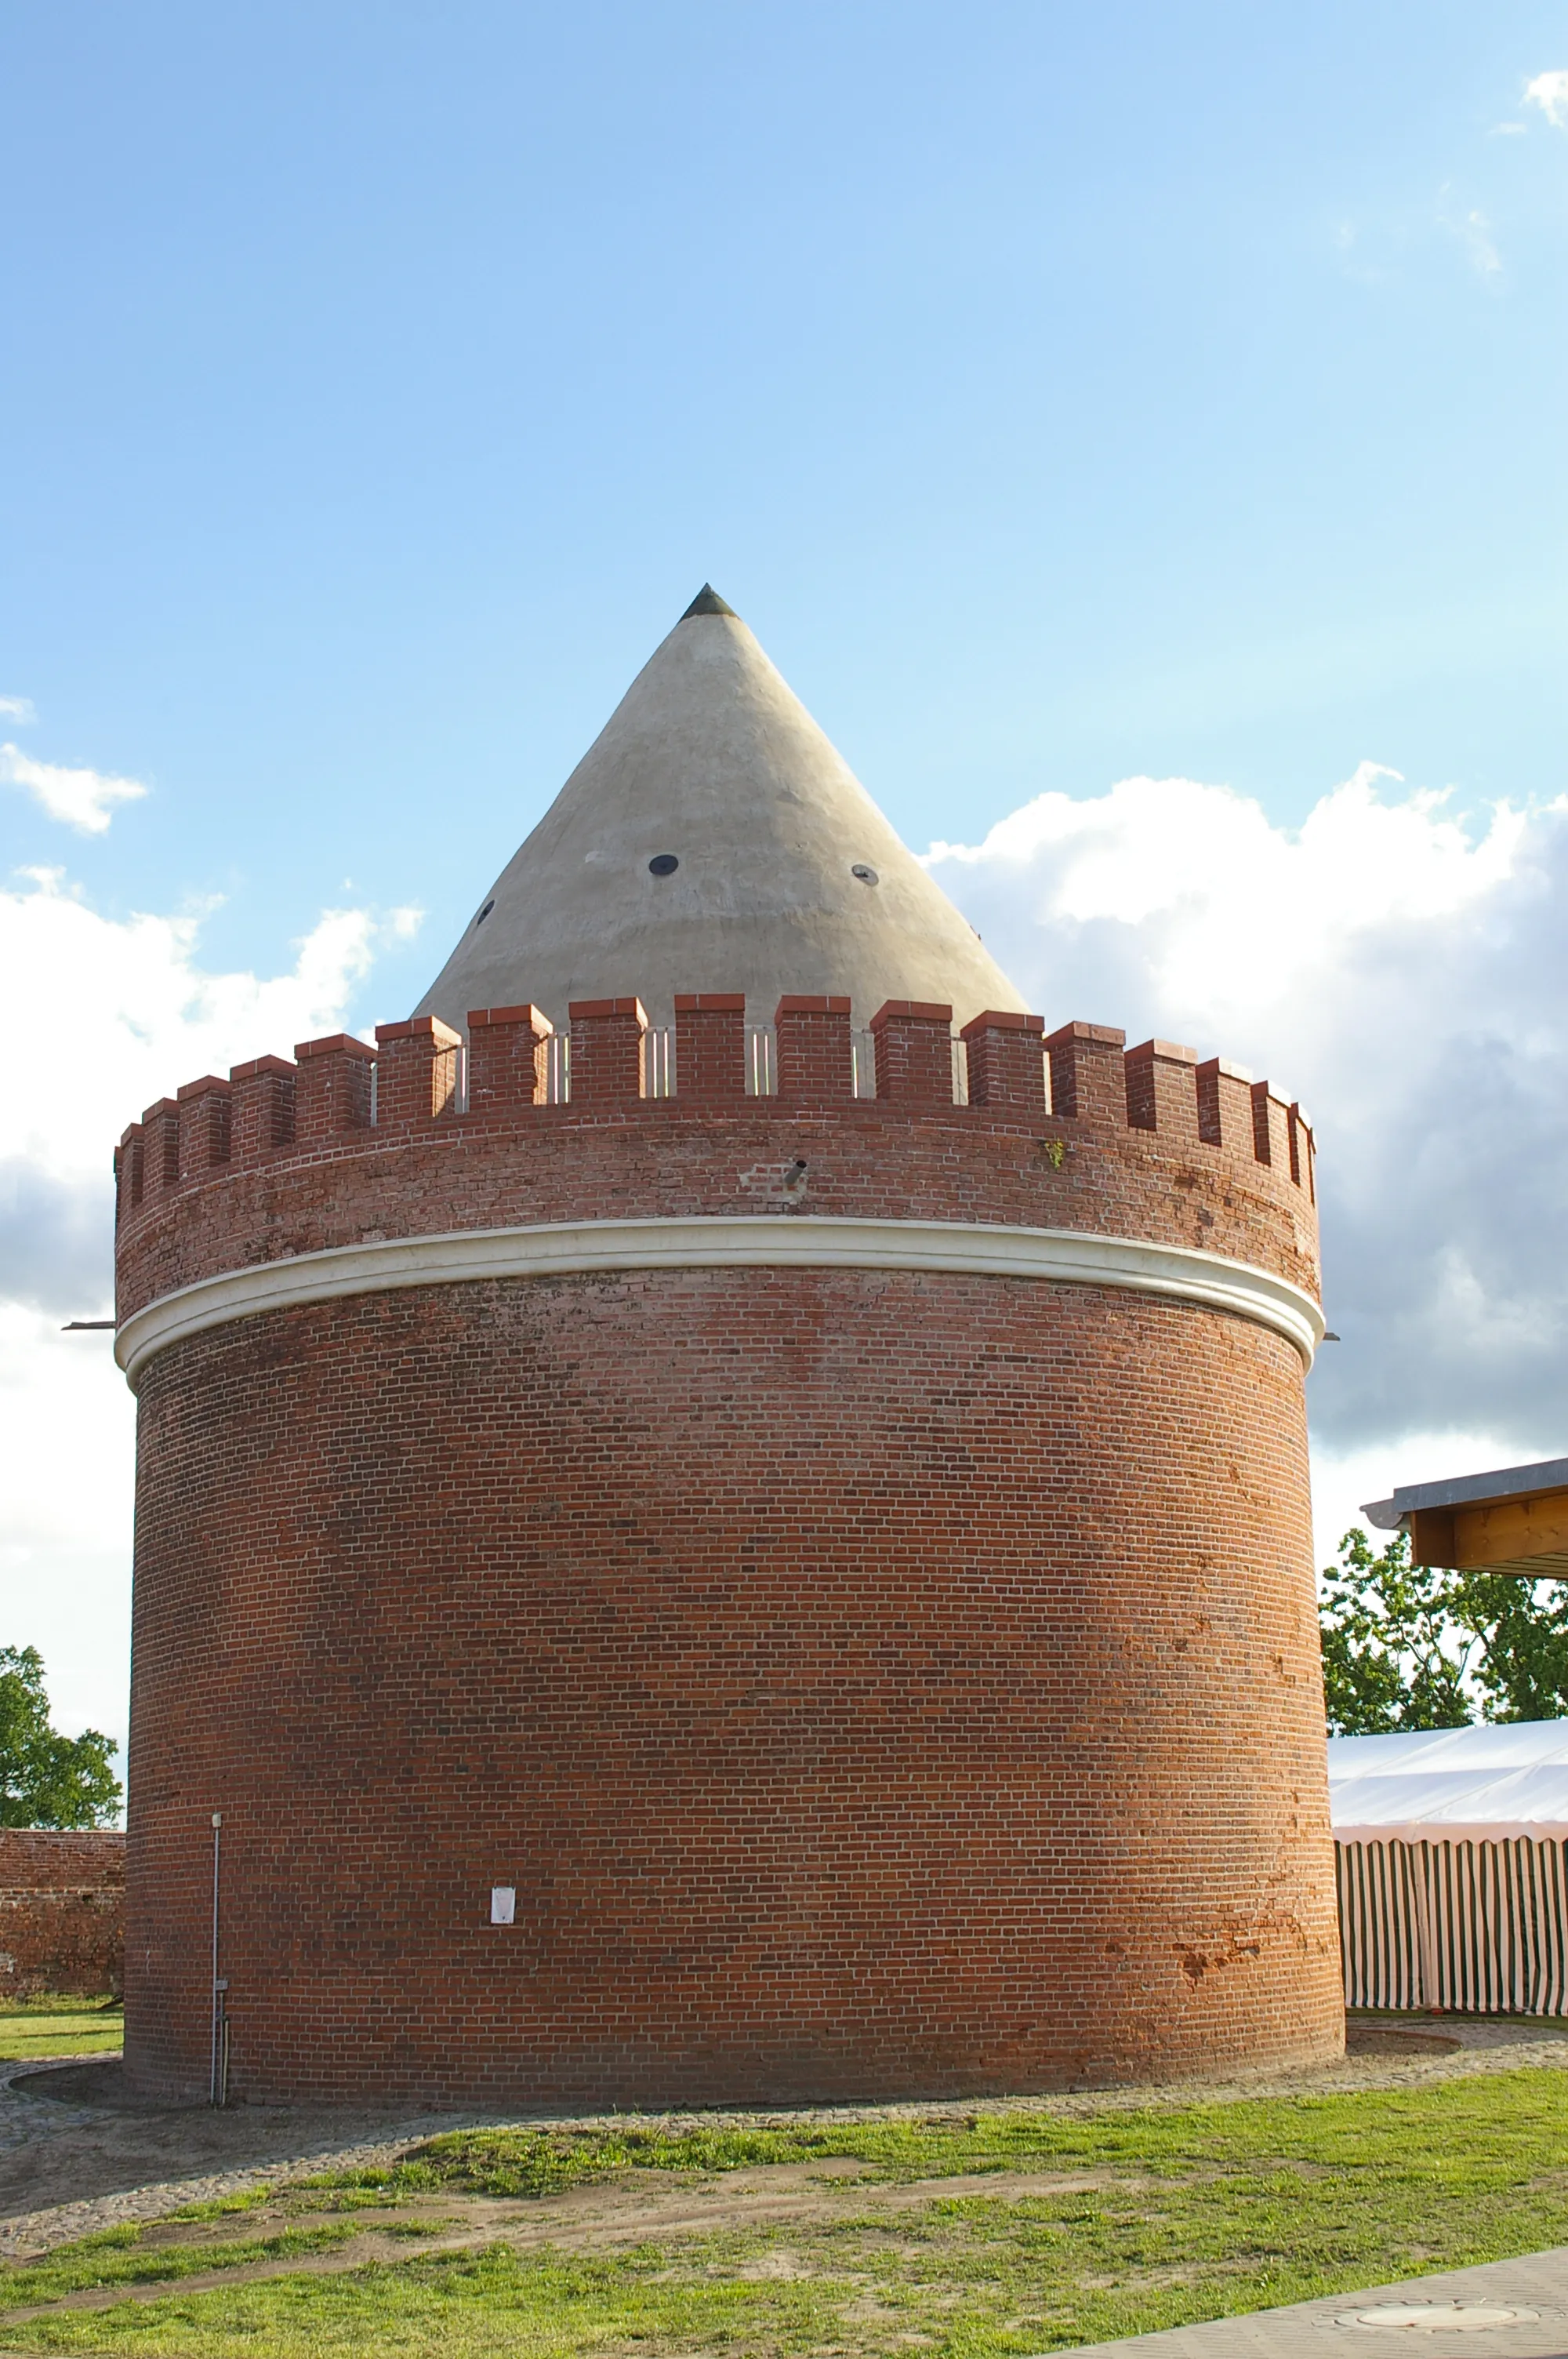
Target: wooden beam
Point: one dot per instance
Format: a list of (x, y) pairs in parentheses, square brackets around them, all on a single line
[(1431, 1536), (1499, 1531)]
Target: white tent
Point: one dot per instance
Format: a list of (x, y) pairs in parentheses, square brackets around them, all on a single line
[(1489, 1783), (1449, 1846)]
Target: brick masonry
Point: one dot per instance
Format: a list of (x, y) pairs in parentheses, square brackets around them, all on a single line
[(62, 1912), (870, 1682)]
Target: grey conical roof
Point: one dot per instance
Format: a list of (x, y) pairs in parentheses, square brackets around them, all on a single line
[(710, 759)]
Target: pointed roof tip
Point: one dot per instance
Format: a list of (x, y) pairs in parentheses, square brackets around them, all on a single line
[(709, 602), (711, 840)]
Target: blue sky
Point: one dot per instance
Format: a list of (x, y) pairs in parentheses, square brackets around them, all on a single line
[(1136, 432), (1060, 393)]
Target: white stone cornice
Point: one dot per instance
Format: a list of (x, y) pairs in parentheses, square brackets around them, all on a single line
[(725, 1240)]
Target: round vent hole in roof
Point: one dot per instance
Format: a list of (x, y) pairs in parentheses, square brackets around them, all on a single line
[(485, 913), (663, 863), (867, 876)]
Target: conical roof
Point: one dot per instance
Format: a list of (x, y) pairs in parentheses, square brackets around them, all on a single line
[(711, 839)]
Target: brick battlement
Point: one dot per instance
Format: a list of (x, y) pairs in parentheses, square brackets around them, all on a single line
[(420, 1134)]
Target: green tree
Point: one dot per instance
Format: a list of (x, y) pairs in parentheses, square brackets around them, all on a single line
[(1393, 1654), (1418, 1646), (46, 1779), (1522, 1668)]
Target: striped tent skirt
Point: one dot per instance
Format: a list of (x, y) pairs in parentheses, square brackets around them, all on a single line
[(1473, 1927)]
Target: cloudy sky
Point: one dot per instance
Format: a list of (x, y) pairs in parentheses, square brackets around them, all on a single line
[(1136, 432)]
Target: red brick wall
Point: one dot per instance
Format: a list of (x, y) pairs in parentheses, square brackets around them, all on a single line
[(870, 1682), (62, 1911)]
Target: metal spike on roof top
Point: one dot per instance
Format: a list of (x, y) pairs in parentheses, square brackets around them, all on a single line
[(709, 602)]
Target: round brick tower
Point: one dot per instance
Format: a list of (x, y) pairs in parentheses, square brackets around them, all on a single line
[(741, 1559)]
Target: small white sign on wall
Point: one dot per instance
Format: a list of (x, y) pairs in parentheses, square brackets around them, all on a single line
[(502, 1904)]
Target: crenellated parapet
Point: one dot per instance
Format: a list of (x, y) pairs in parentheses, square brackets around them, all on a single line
[(425, 1134)]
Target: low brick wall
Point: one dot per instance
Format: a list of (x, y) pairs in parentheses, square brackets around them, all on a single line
[(62, 1911)]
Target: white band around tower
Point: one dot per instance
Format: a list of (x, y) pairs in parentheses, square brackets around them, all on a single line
[(767, 1241)]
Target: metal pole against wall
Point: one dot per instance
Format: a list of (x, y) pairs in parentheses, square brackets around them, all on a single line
[(215, 2094)]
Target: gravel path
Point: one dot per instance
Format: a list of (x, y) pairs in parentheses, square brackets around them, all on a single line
[(76, 2155)]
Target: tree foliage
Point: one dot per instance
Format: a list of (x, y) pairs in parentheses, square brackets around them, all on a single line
[(46, 1779), (1414, 1647)]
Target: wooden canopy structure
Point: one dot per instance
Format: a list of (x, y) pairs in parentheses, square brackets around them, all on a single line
[(1451, 1845), (1515, 1520)]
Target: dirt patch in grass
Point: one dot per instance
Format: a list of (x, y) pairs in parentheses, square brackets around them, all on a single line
[(1377, 2039), (994, 2230)]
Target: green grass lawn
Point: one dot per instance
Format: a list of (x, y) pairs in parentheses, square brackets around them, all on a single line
[(1177, 2214), (59, 2026)]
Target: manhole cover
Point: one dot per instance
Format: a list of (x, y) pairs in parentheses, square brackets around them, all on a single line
[(1441, 2317)]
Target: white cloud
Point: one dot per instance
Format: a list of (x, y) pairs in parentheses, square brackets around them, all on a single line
[(1472, 232), (84, 800), (1508, 131), (65, 1485), (1401, 969), (142, 1015), (131, 1014), (17, 708), (1475, 234), (1550, 92)]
